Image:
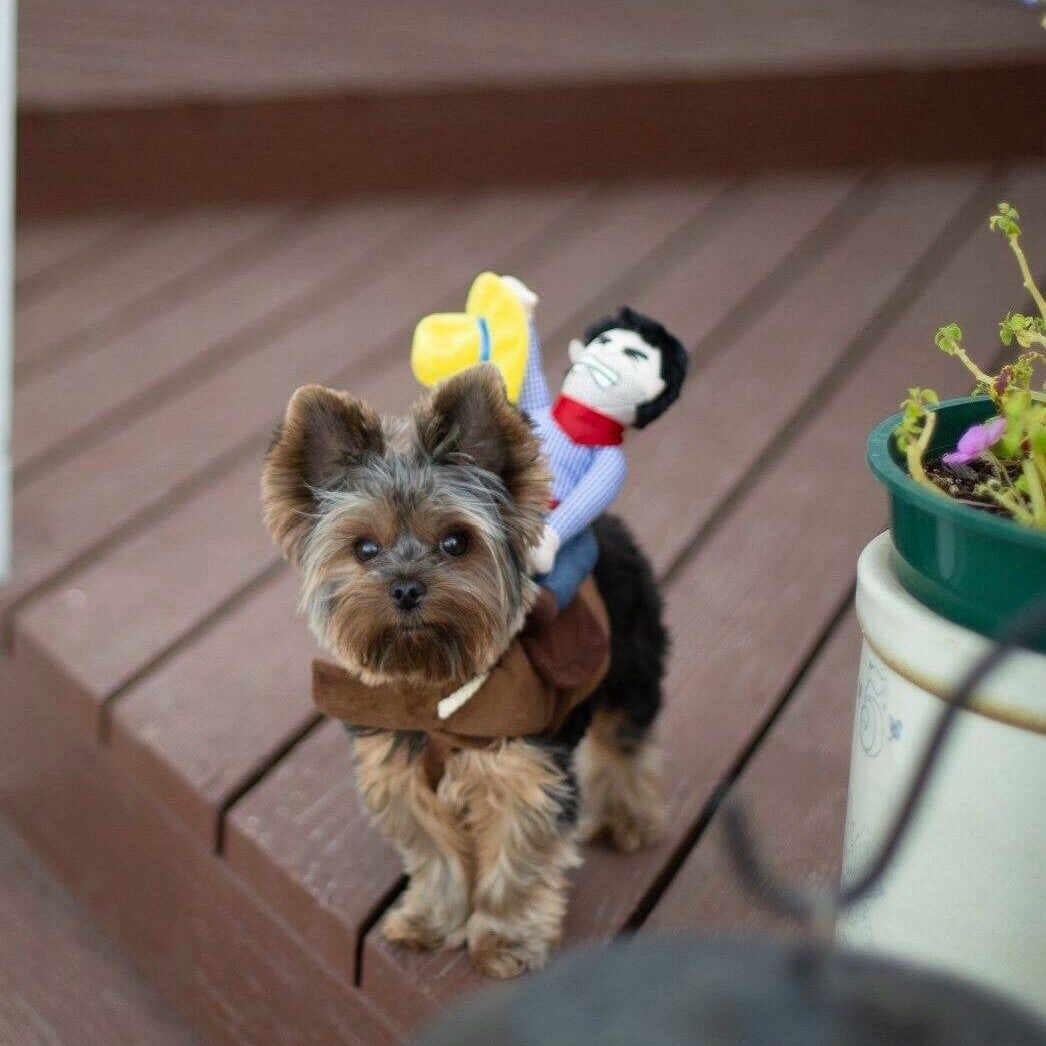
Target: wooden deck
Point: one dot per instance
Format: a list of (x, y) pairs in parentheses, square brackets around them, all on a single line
[(157, 741)]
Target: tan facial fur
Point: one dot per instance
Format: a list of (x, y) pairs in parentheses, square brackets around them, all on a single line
[(465, 461)]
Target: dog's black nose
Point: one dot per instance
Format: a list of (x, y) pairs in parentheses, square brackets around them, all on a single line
[(406, 594)]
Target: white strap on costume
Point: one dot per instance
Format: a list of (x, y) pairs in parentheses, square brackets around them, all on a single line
[(450, 704)]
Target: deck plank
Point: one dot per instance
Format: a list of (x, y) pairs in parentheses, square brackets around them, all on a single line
[(751, 648), (202, 554), (135, 474), (143, 276), (289, 275), (795, 791)]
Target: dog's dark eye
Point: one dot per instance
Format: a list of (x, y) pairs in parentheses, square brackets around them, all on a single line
[(365, 549), (455, 543)]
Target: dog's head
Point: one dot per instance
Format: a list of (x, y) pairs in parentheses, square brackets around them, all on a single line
[(410, 533)]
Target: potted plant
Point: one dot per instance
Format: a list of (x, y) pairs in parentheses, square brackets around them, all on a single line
[(966, 549)]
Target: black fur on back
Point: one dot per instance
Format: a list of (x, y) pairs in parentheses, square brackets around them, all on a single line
[(638, 639)]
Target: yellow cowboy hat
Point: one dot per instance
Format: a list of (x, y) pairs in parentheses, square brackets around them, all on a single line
[(493, 328)]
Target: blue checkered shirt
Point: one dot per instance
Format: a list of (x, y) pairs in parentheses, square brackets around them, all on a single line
[(585, 479)]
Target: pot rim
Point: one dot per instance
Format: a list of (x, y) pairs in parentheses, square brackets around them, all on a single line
[(895, 477), (933, 652)]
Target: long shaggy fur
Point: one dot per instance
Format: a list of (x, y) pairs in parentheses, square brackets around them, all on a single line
[(489, 849)]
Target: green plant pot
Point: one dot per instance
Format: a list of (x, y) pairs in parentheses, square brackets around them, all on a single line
[(971, 567)]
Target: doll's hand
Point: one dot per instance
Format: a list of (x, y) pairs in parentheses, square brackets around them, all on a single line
[(542, 557), (527, 298)]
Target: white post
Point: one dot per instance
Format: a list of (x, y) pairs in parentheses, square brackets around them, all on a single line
[(8, 52)]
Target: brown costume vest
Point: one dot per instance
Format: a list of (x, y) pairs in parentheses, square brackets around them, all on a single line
[(542, 677)]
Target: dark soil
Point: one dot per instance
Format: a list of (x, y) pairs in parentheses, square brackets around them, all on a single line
[(958, 481)]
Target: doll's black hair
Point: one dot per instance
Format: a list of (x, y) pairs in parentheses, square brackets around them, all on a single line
[(674, 357)]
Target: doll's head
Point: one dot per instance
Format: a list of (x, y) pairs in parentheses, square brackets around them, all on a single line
[(410, 533), (628, 367)]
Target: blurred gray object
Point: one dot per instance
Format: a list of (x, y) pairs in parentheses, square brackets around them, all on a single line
[(735, 991)]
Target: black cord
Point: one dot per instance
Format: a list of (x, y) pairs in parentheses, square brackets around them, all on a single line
[(781, 897)]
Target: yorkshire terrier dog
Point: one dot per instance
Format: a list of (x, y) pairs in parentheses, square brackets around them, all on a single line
[(412, 537)]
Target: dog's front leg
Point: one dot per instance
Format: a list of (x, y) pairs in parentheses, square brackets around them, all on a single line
[(421, 824), (519, 803)]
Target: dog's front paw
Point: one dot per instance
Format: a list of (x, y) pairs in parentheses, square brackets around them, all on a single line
[(497, 952), (410, 930), (413, 929)]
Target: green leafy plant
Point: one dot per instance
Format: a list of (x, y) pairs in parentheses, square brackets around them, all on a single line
[(1002, 462)]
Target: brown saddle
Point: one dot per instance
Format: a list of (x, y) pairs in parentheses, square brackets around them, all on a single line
[(547, 671)]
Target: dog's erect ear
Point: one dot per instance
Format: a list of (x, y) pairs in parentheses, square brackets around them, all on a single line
[(468, 420), (324, 435)]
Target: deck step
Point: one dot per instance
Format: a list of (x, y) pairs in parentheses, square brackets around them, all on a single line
[(61, 982)]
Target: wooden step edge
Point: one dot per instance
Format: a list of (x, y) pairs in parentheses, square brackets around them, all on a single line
[(44, 677), (211, 946), (255, 149)]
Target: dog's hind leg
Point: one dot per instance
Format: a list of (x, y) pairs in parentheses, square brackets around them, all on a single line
[(392, 780), (619, 773), (617, 762), (520, 802)]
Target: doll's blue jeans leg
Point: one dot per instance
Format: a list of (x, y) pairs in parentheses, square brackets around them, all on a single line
[(574, 562)]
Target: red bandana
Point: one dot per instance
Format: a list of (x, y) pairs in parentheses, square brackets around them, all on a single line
[(585, 425)]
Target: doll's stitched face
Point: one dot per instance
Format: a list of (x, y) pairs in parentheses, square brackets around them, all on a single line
[(614, 373)]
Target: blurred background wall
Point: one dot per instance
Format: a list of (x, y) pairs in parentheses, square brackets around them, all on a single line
[(143, 102)]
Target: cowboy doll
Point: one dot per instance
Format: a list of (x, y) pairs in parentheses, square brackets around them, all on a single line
[(626, 372)]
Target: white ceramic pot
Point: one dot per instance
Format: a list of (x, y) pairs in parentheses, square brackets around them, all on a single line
[(967, 889)]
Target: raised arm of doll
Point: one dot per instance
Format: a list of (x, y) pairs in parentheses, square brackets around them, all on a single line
[(535, 394)]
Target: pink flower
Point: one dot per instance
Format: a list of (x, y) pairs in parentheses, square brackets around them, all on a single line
[(975, 441)]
